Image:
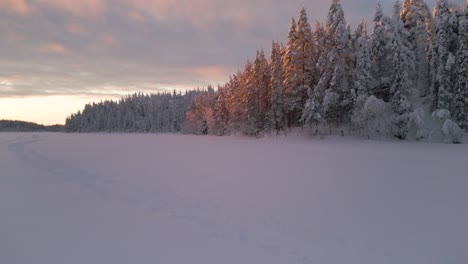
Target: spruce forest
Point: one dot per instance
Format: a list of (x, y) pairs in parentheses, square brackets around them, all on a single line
[(403, 75)]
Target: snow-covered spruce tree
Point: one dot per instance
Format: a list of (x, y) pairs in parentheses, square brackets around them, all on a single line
[(234, 102), (220, 113), (250, 96), (311, 113), (381, 55), (291, 76), (442, 55), (331, 108), (262, 85), (338, 37), (363, 64), (306, 59), (335, 63), (276, 113), (374, 114), (403, 65), (199, 118), (460, 103), (360, 31), (378, 44), (378, 40), (319, 37), (363, 76), (417, 19), (237, 100)]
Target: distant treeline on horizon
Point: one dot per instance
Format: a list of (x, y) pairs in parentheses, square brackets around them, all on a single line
[(23, 126)]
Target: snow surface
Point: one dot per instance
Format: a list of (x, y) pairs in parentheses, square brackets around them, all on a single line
[(134, 198)]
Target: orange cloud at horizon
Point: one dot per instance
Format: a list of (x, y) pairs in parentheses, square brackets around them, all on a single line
[(215, 73)]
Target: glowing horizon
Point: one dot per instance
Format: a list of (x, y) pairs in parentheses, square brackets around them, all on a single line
[(45, 114)]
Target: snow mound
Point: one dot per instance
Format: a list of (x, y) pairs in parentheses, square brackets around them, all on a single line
[(441, 114)]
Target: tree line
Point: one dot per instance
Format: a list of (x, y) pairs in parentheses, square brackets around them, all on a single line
[(326, 76), (138, 112)]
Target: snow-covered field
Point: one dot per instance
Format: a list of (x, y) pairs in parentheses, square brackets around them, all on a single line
[(129, 198)]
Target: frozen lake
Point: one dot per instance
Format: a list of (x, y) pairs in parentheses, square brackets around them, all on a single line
[(133, 198)]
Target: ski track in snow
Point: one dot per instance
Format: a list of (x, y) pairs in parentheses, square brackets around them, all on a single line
[(255, 233)]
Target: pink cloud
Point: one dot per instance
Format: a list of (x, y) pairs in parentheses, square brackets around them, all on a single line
[(54, 48), (204, 15), (199, 12), (16, 6)]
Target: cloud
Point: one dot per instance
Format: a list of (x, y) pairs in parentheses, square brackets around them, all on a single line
[(37, 77), (76, 28), (142, 45), (135, 17), (54, 48), (214, 74), (14, 36), (76, 7), (108, 41), (15, 7), (103, 44)]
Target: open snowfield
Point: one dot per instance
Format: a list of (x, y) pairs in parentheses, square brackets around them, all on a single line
[(167, 199)]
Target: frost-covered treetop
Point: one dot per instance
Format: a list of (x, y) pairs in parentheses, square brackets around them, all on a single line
[(335, 16), (292, 33), (378, 13)]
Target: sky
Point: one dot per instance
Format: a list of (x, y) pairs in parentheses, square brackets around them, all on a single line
[(57, 55)]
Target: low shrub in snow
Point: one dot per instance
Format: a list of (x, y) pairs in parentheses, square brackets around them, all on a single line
[(417, 118), (452, 132)]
